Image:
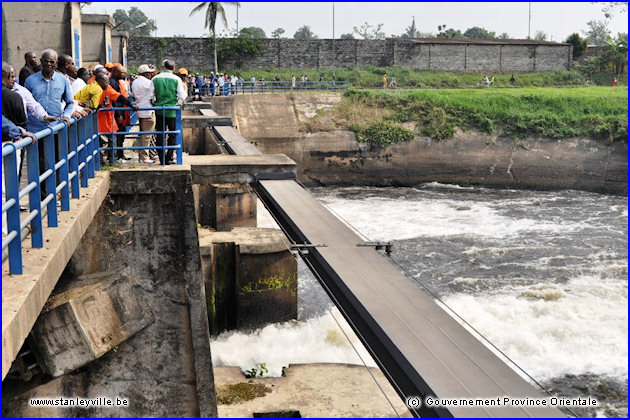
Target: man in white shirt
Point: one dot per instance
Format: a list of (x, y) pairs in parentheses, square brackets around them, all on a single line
[(140, 89)]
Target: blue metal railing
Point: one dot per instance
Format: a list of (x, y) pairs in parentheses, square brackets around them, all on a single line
[(71, 156), (77, 149), (177, 147), (270, 86)]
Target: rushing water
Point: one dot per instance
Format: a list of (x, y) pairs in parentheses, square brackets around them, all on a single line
[(542, 275)]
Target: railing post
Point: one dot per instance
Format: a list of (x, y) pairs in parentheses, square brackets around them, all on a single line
[(51, 181), (34, 197), (89, 148), (164, 137), (62, 147), (180, 138), (13, 213), (82, 153), (73, 162), (92, 127)]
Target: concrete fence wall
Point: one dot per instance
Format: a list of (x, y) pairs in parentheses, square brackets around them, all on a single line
[(437, 54)]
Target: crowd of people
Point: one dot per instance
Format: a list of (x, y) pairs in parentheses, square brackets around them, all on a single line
[(55, 89)]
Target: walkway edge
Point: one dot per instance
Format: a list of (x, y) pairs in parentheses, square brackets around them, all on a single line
[(24, 296)]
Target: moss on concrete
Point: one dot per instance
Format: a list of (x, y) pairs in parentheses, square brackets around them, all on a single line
[(243, 391)]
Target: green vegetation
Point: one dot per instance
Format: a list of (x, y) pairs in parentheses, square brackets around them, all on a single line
[(372, 77), (383, 117), (236, 393)]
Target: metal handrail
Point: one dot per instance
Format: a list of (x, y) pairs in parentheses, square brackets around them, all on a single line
[(60, 179), (271, 86), (76, 146), (178, 147)]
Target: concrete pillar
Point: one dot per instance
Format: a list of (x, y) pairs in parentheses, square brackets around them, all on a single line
[(224, 206), (250, 277)]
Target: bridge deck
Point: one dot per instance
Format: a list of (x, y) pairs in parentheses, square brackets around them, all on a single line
[(418, 344)]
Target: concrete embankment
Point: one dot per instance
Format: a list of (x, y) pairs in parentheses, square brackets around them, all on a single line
[(146, 231), (275, 123)]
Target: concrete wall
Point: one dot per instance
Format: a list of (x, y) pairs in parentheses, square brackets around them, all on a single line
[(35, 26), (336, 158), (434, 54), (97, 42), (119, 47), (147, 224)]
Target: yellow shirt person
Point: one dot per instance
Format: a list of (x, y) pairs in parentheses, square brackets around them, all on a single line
[(90, 95)]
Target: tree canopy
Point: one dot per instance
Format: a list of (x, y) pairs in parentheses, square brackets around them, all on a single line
[(367, 31), (477, 32), (597, 33), (579, 45), (277, 34), (304, 32), (135, 22), (252, 32)]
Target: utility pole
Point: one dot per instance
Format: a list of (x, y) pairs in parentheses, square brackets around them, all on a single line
[(237, 20), (529, 22)]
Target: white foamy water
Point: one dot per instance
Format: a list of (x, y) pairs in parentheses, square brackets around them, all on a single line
[(553, 330), (384, 219), (312, 341)]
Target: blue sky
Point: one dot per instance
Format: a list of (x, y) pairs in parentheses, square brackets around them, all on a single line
[(557, 19)]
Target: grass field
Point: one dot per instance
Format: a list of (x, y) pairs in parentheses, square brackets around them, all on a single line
[(596, 112), (371, 77)]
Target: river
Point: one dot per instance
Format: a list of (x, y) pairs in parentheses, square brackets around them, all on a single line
[(541, 275)]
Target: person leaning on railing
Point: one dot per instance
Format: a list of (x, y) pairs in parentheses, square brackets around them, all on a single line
[(11, 133), (100, 94)]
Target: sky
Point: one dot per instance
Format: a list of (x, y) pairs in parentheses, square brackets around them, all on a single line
[(558, 19)]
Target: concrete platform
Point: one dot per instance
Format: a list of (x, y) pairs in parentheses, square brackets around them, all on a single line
[(235, 142), (316, 390), (250, 240), (239, 169), (206, 120), (24, 296)]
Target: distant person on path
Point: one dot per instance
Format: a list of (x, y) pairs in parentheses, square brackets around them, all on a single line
[(384, 81), (167, 90), (614, 82), (293, 82), (392, 81), (512, 80), (30, 67), (492, 80)]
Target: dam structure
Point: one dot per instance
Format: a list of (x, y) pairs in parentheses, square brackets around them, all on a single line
[(111, 297)]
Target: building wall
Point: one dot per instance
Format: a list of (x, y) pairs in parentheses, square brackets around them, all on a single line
[(94, 51), (195, 53), (36, 26)]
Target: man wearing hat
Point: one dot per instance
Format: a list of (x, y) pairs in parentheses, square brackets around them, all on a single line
[(141, 91)]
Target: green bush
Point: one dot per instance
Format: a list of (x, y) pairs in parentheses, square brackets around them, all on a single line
[(382, 133), (438, 125)]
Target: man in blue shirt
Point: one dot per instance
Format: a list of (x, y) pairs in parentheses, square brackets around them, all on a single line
[(49, 88)]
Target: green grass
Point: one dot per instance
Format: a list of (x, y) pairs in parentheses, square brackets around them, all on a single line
[(596, 112), (371, 77)]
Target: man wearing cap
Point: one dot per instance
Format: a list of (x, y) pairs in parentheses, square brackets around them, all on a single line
[(141, 91), (167, 90)]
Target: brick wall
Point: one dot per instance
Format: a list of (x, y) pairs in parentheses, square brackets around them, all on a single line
[(343, 53)]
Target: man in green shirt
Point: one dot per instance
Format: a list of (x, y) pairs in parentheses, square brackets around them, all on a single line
[(167, 90)]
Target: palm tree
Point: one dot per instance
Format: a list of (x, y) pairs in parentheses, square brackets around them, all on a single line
[(304, 32), (212, 9)]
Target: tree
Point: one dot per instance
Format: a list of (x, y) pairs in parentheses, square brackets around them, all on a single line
[(277, 34), (135, 22), (597, 33), (504, 35), (611, 7), (346, 36), (304, 32), (477, 32), (245, 45), (540, 36), (212, 9), (579, 45), (367, 31), (411, 31), (449, 33), (252, 32), (616, 55)]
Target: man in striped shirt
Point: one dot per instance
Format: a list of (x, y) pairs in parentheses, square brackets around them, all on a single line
[(167, 90)]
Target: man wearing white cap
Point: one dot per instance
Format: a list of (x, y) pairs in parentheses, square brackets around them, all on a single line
[(140, 89)]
